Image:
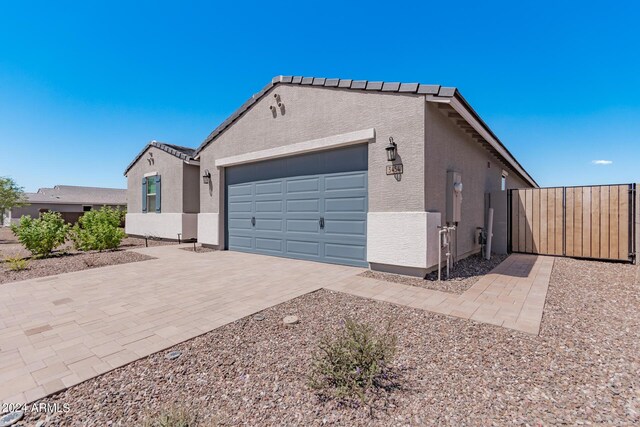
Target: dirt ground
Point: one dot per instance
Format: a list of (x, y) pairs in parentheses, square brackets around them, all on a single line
[(583, 368)]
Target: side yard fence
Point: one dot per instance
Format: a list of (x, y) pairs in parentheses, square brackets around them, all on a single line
[(599, 222)]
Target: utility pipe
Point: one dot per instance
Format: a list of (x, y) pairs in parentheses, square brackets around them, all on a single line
[(487, 247)]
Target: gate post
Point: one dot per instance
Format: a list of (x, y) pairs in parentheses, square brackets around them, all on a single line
[(636, 213)]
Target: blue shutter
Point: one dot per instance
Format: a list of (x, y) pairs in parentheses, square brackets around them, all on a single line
[(144, 194), (158, 193)]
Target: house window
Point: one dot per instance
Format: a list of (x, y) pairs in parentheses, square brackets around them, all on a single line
[(86, 208), (151, 193), (503, 183)]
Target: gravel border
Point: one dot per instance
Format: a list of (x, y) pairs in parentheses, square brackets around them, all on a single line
[(66, 263), (199, 249), (465, 274), (582, 369)]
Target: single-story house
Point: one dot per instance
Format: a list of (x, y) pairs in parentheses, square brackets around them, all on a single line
[(70, 200), (341, 171), (163, 192)]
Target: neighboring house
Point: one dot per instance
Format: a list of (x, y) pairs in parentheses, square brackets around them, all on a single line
[(302, 170), (163, 180), (71, 201)]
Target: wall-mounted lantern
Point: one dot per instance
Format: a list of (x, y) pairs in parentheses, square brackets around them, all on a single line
[(206, 178), (392, 150)]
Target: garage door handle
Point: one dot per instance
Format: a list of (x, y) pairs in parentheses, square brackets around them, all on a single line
[(321, 223), (253, 221)]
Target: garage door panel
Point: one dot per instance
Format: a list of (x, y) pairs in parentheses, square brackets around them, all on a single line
[(341, 227), (303, 225), (265, 224), (303, 247), (271, 245), (268, 206), (303, 185), (269, 188), (344, 252), (352, 204), (239, 190), (241, 242), (240, 207), (303, 205), (240, 224), (345, 182)]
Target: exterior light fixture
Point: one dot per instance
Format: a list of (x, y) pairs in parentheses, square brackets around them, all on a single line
[(206, 178), (392, 150)]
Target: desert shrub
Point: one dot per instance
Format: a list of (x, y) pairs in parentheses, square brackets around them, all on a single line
[(353, 361), (173, 417), (98, 230), (17, 263), (41, 235)]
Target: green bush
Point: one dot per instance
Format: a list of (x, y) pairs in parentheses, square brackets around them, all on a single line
[(42, 235), (98, 230), (17, 263), (353, 361)]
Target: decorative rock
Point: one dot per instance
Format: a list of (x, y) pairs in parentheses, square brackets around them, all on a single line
[(173, 355), (40, 423), (258, 317), (290, 320), (11, 418)]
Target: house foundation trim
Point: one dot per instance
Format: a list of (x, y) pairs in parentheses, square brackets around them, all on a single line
[(403, 239)]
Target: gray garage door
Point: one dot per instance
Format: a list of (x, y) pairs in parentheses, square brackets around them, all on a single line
[(310, 207)]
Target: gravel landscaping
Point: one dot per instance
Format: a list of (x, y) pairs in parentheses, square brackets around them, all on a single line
[(583, 368), (198, 249), (66, 263), (65, 259), (462, 277)]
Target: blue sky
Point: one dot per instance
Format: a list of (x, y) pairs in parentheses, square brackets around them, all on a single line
[(84, 85)]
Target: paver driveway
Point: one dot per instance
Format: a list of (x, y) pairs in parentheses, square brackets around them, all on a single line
[(61, 330)]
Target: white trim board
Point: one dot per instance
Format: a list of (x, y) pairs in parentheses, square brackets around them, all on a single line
[(335, 141)]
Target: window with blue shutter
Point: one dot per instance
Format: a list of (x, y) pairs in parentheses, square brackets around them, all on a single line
[(151, 194), (158, 192), (144, 194)]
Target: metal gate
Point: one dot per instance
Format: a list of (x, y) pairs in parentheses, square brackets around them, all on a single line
[(584, 222)]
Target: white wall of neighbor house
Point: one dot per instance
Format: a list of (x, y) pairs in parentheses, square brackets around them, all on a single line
[(448, 147), (164, 226), (313, 113)]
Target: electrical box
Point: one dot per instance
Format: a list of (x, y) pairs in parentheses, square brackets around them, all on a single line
[(454, 197)]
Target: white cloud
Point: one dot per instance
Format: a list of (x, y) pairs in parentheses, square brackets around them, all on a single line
[(601, 162)]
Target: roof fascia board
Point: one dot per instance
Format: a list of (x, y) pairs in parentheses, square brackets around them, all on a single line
[(335, 141), (470, 118)]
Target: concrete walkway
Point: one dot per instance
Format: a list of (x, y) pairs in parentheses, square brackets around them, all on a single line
[(58, 331), (511, 296)]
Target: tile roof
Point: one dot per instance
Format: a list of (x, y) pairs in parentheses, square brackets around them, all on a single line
[(363, 85), (183, 153), (71, 194)]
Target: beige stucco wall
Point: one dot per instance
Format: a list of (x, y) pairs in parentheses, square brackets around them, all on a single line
[(171, 170), (450, 148), (312, 113)]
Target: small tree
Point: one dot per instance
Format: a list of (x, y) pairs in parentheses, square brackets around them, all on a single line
[(42, 235), (98, 230), (11, 196)]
